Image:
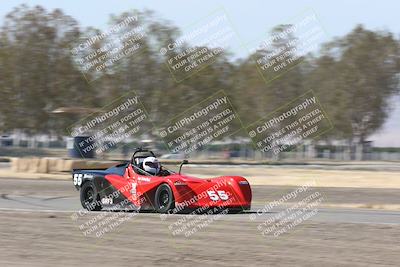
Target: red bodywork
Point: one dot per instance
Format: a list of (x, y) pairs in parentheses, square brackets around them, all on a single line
[(189, 192)]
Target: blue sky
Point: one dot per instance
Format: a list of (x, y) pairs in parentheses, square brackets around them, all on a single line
[(251, 19)]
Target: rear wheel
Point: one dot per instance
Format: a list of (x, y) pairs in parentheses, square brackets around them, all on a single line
[(90, 197), (164, 199)]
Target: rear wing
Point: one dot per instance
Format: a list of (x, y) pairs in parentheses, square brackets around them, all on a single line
[(94, 169), (119, 164)]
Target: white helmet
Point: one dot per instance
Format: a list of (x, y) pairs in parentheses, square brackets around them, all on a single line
[(151, 165)]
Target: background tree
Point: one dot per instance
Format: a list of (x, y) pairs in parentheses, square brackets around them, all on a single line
[(39, 74), (256, 97), (355, 77)]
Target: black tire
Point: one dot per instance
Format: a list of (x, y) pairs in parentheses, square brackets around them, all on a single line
[(90, 197), (164, 199)]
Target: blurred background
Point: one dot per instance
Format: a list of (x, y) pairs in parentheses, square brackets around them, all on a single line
[(354, 74)]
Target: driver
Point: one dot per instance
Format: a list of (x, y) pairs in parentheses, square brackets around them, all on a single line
[(152, 166)]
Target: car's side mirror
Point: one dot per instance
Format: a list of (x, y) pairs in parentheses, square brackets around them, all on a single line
[(185, 161)]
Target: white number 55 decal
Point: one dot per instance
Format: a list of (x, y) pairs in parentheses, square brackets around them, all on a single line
[(220, 194), (78, 178)]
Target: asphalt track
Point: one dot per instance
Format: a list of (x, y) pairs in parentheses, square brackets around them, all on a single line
[(37, 229), (60, 196)]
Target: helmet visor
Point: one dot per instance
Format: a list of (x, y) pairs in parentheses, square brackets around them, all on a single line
[(154, 165)]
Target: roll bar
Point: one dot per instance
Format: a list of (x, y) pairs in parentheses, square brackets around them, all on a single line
[(141, 150)]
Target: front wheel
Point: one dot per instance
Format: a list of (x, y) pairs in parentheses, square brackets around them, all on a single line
[(164, 199), (89, 197)]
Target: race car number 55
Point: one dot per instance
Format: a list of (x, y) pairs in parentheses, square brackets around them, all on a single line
[(220, 194), (78, 178)]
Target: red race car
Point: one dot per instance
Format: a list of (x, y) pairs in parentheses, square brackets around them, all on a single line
[(143, 184)]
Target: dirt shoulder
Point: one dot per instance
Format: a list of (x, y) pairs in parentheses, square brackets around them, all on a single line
[(298, 177), (268, 176), (49, 239)]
